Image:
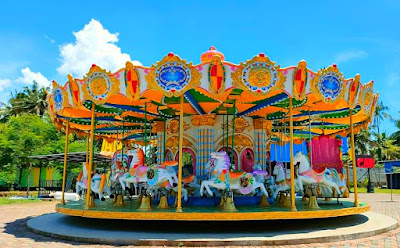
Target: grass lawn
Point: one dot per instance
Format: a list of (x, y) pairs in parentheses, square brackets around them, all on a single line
[(376, 190), (6, 201)]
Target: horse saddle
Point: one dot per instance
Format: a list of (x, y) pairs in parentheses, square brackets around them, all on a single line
[(168, 163), (188, 179), (236, 174)]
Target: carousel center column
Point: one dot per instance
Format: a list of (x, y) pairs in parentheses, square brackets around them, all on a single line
[(262, 141), (205, 140)]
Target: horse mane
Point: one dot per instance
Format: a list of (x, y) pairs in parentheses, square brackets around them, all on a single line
[(281, 165), (227, 161)]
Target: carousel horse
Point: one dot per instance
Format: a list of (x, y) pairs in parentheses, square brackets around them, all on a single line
[(222, 179), (136, 169), (281, 183), (81, 181), (329, 178), (164, 177), (99, 185)]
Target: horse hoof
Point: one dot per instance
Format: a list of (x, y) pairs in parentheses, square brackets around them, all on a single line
[(103, 199), (112, 196), (174, 184)]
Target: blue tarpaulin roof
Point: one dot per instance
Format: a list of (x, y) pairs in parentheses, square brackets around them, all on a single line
[(392, 166)]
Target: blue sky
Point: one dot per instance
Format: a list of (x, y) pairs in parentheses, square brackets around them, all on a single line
[(37, 39)]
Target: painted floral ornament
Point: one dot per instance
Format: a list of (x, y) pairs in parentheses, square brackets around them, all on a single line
[(172, 76), (367, 98), (99, 85), (259, 76), (59, 98), (328, 84)]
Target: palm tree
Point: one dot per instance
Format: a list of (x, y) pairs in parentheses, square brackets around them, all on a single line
[(396, 135), (363, 142), (381, 114), (386, 149), (29, 100)]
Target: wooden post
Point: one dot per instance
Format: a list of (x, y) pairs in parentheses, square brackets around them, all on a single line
[(65, 163), (292, 189), (179, 196), (353, 157), (90, 157)]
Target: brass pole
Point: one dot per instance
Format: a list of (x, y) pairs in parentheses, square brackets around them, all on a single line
[(233, 139), (145, 132), (164, 139), (90, 156), (65, 163), (223, 132), (87, 147), (292, 189), (354, 159), (179, 200)]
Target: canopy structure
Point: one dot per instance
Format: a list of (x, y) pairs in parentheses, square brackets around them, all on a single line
[(129, 101)]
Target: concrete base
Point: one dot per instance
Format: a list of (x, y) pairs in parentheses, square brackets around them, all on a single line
[(175, 233)]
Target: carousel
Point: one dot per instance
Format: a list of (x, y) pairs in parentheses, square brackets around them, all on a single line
[(214, 141)]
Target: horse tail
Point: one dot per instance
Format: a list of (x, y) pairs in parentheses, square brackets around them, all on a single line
[(80, 176), (102, 182)]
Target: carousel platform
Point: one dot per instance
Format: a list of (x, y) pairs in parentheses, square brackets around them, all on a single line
[(209, 210), (206, 233)]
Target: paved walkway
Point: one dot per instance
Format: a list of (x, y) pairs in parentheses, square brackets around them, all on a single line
[(13, 231)]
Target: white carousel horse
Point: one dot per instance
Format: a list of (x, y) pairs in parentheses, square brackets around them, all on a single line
[(329, 178), (81, 181), (164, 177), (222, 179), (281, 183), (98, 183)]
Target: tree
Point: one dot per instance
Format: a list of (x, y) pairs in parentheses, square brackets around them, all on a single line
[(29, 134), (30, 100), (385, 148), (381, 114), (363, 142)]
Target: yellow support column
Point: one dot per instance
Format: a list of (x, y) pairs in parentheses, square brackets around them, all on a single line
[(292, 189), (353, 157), (90, 157), (65, 162), (87, 147), (179, 196)]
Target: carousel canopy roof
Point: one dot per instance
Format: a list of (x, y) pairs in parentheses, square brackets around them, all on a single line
[(128, 101)]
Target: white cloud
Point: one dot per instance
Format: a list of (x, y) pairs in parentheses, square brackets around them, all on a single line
[(349, 55), (4, 84), (93, 45), (29, 76)]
